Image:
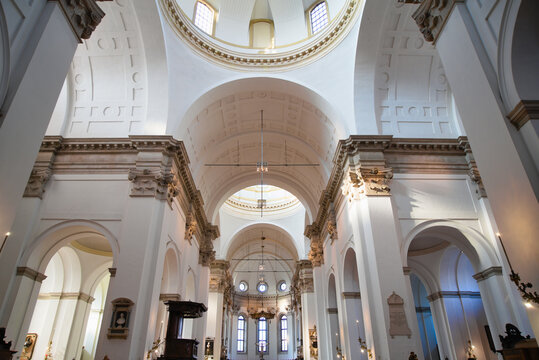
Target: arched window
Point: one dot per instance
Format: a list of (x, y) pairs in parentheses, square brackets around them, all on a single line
[(262, 335), (284, 333), (204, 15), (319, 17), (241, 334)]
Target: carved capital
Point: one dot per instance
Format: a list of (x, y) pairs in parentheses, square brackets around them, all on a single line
[(473, 171), (150, 182), (190, 226), (431, 16), (366, 181), (37, 181), (82, 15), (316, 254), (353, 185), (303, 278), (331, 225), (218, 275)]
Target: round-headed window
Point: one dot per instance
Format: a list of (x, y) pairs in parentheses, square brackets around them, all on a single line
[(262, 287), (243, 286), (282, 286)]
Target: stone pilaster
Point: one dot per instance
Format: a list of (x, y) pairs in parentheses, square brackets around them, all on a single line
[(473, 171), (316, 254)]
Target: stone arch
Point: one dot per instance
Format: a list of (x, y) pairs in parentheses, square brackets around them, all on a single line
[(478, 249), (269, 225), (49, 241)]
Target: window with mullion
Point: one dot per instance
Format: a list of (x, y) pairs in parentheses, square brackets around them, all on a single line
[(241, 334), (262, 335), (319, 17), (284, 333)]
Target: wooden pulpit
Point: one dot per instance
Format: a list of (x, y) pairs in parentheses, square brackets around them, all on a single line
[(176, 347)]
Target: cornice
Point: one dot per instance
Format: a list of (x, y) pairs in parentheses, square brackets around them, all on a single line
[(413, 155), (487, 273), (162, 172), (453, 294), (30, 273), (207, 46), (523, 112)]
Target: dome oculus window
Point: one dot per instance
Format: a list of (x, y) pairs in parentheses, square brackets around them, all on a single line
[(243, 286), (319, 17), (262, 287), (282, 286), (204, 16)]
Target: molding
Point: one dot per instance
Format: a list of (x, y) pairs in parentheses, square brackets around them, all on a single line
[(333, 310), (523, 112), (82, 15), (112, 271), (363, 165), (351, 295), (485, 274), (67, 296), (453, 294), (431, 16), (249, 59), (156, 166), (30, 273), (170, 297)]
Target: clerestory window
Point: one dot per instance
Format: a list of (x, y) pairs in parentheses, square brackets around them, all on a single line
[(204, 16), (319, 17)]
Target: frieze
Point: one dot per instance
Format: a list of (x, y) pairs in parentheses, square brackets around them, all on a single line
[(396, 155), (162, 171)]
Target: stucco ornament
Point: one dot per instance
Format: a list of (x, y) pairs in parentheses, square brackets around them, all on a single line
[(431, 16), (362, 182), (83, 16)]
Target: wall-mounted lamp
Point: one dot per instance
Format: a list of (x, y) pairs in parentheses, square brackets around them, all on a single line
[(5, 239), (528, 296), (364, 348)]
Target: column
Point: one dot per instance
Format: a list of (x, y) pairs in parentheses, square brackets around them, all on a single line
[(390, 326), (441, 325), (33, 91), (140, 261), (316, 256), (304, 287), (511, 181), (496, 301), (219, 294), (21, 232)]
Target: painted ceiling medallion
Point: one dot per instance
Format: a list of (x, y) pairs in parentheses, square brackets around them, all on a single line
[(240, 59)]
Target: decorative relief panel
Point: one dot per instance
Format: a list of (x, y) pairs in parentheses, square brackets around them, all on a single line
[(108, 77), (413, 98)]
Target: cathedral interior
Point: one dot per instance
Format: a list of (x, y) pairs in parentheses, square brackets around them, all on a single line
[(269, 179)]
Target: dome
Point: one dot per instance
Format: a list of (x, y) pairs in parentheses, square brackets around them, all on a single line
[(263, 34)]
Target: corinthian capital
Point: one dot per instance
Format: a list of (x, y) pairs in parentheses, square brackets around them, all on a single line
[(431, 16), (366, 181), (150, 182), (82, 15)]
